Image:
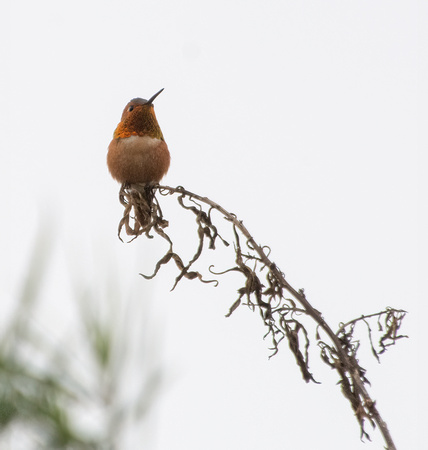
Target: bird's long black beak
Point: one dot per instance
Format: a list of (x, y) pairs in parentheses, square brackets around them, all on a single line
[(150, 101)]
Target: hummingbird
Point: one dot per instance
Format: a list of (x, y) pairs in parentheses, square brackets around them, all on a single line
[(138, 152)]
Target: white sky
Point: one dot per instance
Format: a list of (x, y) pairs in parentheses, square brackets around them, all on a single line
[(299, 116)]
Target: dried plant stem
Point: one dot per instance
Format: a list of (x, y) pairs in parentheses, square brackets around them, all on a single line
[(278, 313), (349, 365)]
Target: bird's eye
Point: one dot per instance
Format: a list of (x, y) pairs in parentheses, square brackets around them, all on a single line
[(130, 108)]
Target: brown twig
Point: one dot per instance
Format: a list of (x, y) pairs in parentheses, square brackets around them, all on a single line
[(279, 314)]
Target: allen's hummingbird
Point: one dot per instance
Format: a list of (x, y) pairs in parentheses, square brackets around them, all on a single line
[(138, 152)]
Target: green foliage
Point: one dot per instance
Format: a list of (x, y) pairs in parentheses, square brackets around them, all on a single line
[(68, 393)]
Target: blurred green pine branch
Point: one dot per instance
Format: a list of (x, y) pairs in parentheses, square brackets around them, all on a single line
[(50, 398)]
